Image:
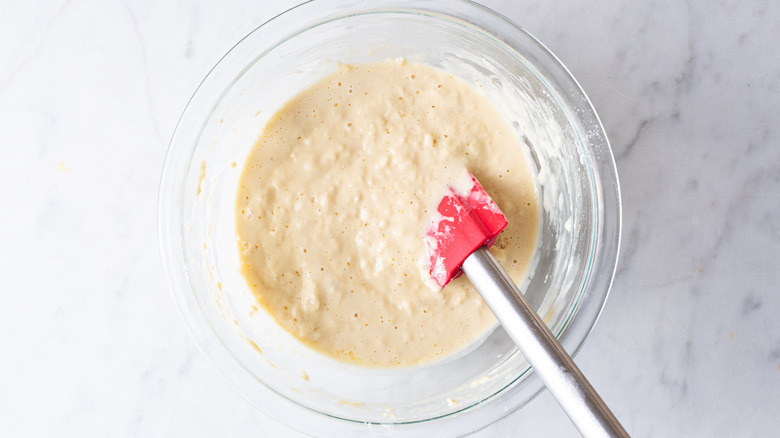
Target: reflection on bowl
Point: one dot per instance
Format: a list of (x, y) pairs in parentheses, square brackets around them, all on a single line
[(577, 187)]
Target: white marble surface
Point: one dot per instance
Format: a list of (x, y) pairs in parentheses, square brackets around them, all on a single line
[(90, 92)]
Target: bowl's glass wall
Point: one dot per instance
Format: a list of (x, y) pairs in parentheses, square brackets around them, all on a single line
[(552, 119)]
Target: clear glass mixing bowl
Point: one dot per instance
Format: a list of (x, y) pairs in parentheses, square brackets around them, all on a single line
[(566, 146)]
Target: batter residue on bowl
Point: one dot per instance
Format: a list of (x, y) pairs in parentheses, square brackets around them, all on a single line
[(335, 199)]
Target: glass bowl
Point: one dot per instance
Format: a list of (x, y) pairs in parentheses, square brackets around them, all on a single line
[(566, 148)]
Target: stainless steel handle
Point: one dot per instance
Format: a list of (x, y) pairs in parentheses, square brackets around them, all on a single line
[(549, 360)]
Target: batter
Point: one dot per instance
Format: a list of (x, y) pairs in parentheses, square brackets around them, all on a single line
[(335, 199)]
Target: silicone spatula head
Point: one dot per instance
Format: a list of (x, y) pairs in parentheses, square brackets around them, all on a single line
[(467, 219)]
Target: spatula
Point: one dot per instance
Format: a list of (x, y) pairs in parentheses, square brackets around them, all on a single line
[(467, 223)]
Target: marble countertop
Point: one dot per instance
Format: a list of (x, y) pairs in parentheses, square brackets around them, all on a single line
[(90, 92)]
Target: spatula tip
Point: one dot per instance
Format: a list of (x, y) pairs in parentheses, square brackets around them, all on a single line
[(467, 218)]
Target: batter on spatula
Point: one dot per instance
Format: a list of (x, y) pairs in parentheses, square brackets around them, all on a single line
[(336, 196)]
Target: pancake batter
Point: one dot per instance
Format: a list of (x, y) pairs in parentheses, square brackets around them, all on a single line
[(335, 199)]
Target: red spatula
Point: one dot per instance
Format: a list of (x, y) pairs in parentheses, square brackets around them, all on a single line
[(467, 224)]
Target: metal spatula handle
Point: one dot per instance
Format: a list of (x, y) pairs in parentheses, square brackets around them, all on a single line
[(549, 360)]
